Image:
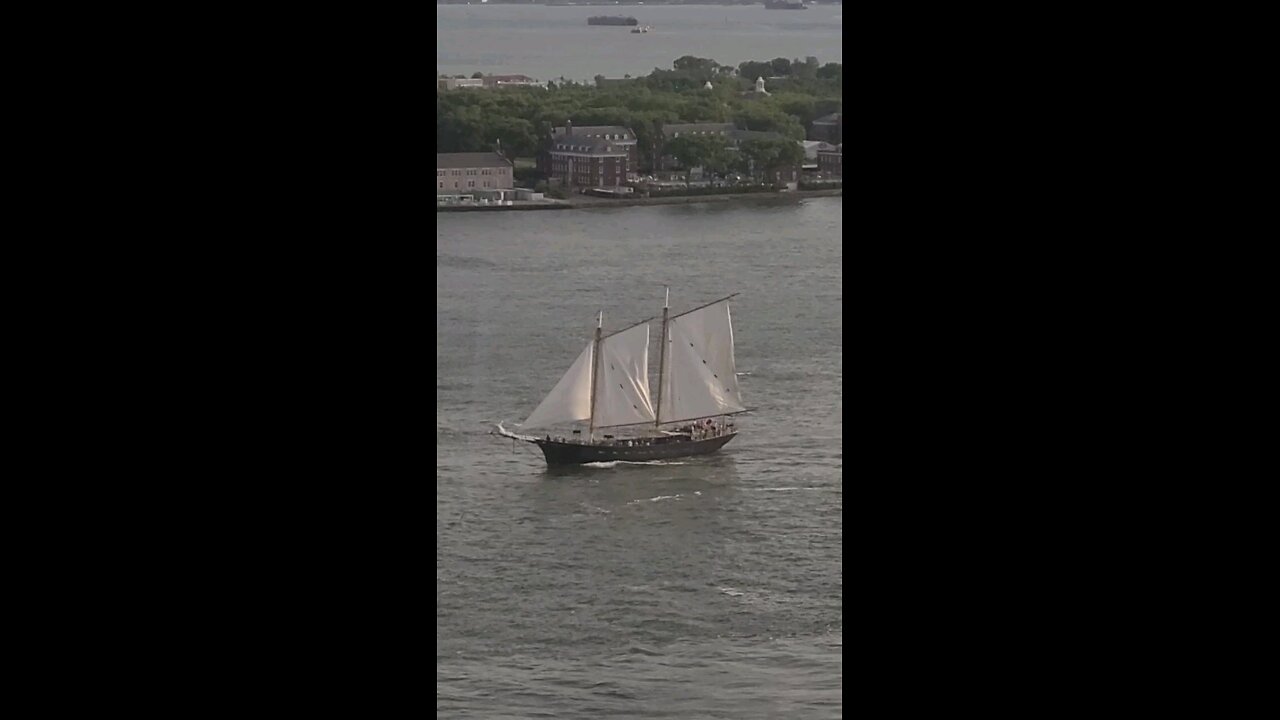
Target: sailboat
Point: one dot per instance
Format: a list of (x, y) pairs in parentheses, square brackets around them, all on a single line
[(607, 388)]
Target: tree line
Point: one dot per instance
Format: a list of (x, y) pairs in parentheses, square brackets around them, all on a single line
[(519, 119)]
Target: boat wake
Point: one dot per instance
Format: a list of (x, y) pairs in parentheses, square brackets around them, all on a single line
[(615, 463), (660, 498)]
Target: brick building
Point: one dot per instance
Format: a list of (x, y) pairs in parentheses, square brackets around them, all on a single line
[(593, 156), (616, 135), (831, 161)]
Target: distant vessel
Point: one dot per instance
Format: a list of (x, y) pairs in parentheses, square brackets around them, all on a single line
[(612, 20), (697, 389), (642, 29), (784, 5)]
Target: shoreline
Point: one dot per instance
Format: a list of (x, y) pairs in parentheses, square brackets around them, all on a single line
[(584, 203)]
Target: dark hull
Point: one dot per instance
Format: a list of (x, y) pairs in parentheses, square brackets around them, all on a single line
[(563, 453)]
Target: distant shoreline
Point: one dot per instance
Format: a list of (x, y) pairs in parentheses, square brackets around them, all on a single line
[(581, 3), (584, 203)]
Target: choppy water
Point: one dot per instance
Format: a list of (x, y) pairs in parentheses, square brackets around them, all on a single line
[(706, 587), (548, 42)]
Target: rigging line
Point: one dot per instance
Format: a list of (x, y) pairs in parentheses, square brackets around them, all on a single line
[(615, 332), (673, 317), (713, 302)]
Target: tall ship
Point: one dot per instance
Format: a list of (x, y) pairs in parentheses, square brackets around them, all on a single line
[(784, 5), (697, 393), (611, 20)]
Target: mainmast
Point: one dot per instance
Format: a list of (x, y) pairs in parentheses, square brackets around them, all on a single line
[(662, 355), (595, 374)]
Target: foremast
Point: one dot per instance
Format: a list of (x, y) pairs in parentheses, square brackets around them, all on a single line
[(595, 375), (662, 356)]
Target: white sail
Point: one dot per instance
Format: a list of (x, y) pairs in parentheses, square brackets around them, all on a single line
[(700, 379), (570, 399), (622, 393)]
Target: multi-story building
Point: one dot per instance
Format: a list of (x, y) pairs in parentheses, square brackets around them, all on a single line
[(616, 135), (458, 83), (832, 161), (592, 156), (587, 163), (498, 81), (488, 81), (469, 177), (811, 150)]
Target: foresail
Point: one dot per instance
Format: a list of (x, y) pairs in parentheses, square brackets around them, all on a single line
[(570, 399), (700, 379), (622, 393)]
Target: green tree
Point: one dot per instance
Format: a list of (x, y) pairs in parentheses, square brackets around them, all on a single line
[(807, 70), (767, 155), (710, 152), (766, 116), (802, 107), (687, 151), (696, 65), (750, 70)]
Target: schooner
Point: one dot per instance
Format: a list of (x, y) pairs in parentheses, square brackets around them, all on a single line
[(607, 388)]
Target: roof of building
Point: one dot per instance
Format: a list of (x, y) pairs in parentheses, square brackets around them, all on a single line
[(813, 147), (831, 119), (509, 78), (593, 146), (471, 160), (593, 130)]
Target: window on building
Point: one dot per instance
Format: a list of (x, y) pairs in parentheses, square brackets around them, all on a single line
[(471, 183), (440, 185)]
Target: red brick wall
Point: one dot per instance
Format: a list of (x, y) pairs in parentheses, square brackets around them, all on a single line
[(592, 172)]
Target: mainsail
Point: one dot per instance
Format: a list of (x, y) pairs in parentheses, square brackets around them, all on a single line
[(699, 378), (622, 392), (570, 399)]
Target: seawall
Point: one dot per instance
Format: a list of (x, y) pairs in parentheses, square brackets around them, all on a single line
[(582, 202)]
